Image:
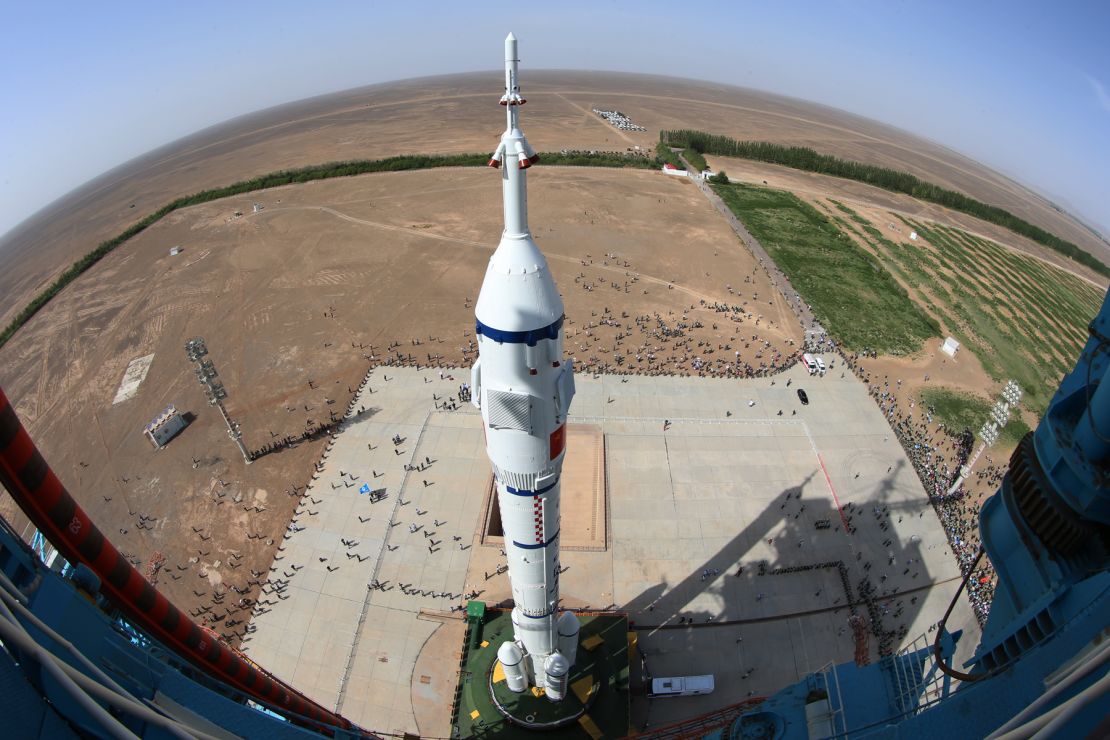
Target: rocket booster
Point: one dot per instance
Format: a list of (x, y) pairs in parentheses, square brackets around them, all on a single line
[(524, 387)]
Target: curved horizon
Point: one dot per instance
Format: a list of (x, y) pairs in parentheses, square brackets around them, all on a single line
[(45, 211), (1022, 91)]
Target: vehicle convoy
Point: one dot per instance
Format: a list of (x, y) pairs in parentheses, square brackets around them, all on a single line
[(815, 364)]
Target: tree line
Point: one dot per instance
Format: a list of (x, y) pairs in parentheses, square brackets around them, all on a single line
[(302, 174), (804, 158)]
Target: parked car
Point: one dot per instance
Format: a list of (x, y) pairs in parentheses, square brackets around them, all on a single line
[(803, 397)]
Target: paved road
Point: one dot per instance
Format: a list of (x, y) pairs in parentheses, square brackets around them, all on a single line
[(814, 332)]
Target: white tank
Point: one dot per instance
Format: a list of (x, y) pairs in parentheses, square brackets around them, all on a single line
[(557, 668), (512, 660), (568, 636)]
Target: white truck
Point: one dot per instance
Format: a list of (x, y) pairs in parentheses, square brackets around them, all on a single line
[(681, 686)]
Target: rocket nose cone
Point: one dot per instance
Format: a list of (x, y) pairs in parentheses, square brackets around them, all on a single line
[(510, 37)]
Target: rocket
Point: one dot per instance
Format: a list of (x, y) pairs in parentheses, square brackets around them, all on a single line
[(524, 386)]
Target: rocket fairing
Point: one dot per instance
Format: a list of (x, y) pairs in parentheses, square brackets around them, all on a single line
[(524, 387)]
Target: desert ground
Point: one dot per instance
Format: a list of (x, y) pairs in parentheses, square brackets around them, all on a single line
[(299, 298), (453, 114)]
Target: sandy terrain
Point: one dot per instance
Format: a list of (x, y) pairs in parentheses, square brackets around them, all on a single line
[(297, 300), (453, 114)]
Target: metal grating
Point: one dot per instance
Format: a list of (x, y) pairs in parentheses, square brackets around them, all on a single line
[(510, 410), (916, 680)]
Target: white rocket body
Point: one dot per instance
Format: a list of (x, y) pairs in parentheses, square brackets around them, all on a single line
[(524, 387)]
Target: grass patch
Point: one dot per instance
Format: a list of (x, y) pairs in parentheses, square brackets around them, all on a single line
[(1013, 432), (958, 410), (665, 156), (804, 158), (1024, 320), (850, 292), (696, 160)]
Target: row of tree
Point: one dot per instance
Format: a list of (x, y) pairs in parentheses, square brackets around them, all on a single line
[(804, 158), (303, 174), (664, 154)]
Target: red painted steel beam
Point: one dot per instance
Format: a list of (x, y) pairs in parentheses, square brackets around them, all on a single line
[(48, 505)]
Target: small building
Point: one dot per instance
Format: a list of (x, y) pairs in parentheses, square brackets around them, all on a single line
[(706, 174), (164, 427), (174, 251), (950, 346), (913, 235), (670, 169)]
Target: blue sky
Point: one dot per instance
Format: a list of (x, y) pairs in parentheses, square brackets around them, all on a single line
[(1023, 87)]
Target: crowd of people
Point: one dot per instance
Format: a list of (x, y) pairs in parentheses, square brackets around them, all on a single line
[(936, 453), (678, 344)]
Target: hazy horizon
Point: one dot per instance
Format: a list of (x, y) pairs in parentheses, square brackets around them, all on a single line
[(1017, 87)]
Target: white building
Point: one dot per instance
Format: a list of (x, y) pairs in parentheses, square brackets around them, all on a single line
[(164, 427)]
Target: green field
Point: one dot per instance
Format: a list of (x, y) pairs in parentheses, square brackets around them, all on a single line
[(1022, 318), (808, 160), (851, 294), (959, 411), (956, 409)]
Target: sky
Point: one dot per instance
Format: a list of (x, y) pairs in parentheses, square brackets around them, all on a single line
[(1023, 87)]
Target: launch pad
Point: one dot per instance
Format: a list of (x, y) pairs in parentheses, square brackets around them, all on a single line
[(598, 700)]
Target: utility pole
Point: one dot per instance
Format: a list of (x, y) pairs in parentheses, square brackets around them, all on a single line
[(214, 391)]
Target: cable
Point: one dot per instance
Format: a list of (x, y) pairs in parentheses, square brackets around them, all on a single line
[(11, 587), (946, 669), (49, 632), (15, 634), (83, 685), (1080, 672), (1073, 706)]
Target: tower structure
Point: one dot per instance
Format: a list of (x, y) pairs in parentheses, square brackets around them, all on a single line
[(524, 387)]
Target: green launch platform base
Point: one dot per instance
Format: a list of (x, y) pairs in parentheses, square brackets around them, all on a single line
[(596, 704)]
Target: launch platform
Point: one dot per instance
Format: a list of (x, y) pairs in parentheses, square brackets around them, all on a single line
[(597, 704), (705, 493)]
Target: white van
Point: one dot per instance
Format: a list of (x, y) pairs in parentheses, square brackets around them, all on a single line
[(810, 363), (820, 364), (681, 686)]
